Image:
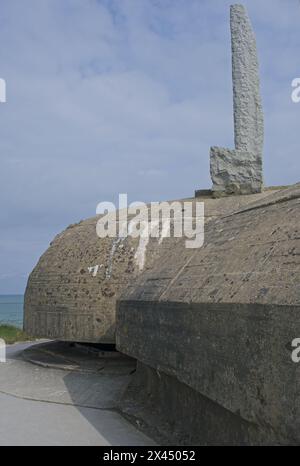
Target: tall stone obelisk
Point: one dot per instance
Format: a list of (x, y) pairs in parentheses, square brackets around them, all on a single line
[(239, 171), (248, 113)]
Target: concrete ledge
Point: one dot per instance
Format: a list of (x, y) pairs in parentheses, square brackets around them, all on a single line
[(175, 414), (237, 356)]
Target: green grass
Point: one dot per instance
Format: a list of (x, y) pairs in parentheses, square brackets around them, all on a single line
[(11, 334)]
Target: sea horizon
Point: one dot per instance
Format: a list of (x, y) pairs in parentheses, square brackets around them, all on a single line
[(11, 309)]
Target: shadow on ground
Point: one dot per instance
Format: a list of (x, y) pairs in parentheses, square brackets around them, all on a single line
[(78, 381)]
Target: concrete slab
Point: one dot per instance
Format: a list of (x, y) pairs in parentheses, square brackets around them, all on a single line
[(25, 422), (45, 406)]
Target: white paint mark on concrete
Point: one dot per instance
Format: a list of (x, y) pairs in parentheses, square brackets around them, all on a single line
[(140, 255), (115, 243), (94, 269), (165, 231)]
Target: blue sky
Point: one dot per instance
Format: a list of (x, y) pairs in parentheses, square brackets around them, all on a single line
[(109, 96)]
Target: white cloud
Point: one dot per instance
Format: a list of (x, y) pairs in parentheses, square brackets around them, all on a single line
[(126, 96)]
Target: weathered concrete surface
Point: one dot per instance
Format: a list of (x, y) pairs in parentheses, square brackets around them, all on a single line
[(176, 414), (235, 172), (221, 319), (240, 171), (236, 358), (44, 406), (67, 300), (63, 300), (250, 255)]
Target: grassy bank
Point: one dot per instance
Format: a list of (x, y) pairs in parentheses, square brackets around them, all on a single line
[(11, 334)]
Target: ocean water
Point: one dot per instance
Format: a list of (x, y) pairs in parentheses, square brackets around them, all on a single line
[(11, 309)]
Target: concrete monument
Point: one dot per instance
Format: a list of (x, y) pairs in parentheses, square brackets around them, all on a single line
[(239, 171)]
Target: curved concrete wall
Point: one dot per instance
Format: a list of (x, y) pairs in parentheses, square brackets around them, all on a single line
[(221, 321), (63, 300)]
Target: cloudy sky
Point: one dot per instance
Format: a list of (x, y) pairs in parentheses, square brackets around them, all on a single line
[(110, 96)]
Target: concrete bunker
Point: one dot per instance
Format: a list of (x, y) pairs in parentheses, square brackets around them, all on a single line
[(211, 328)]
